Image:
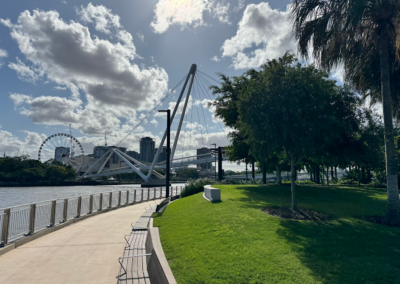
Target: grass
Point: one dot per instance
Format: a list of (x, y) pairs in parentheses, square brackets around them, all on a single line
[(234, 242)]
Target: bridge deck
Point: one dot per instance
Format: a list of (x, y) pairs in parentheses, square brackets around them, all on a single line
[(85, 252)]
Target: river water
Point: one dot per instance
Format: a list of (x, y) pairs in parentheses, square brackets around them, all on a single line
[(13, 196)]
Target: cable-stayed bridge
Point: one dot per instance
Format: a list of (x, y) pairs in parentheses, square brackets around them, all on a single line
[(194, 81)]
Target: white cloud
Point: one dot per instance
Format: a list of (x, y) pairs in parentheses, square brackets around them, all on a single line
[(240, 5), (221, 11), (102, 18), (186, 13), (19, 99), (24, 72), (60, 88), (67, 55), (215, 58), (140, 36), (338, 74), (3, 53), (13, 145), (64, 2), (266, 29)]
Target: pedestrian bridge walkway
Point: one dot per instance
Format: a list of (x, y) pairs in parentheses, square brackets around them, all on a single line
[(84, 252)]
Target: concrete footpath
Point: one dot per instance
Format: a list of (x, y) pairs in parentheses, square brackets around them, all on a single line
[(84, 252)]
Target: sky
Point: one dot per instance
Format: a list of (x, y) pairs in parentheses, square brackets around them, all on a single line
[(101, 66)]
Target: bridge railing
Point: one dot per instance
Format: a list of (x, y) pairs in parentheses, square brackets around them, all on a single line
[(24, 220)]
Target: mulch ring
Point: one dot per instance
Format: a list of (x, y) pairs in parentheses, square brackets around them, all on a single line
[(299, 214), (381, 220)]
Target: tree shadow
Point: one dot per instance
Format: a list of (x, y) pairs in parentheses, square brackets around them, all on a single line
[(345, 250)]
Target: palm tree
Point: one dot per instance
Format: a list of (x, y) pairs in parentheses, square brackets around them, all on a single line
[(350, 32)]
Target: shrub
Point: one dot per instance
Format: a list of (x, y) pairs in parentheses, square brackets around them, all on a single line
[(196, 186)]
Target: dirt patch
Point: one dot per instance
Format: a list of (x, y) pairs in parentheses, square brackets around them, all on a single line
[(381, 220), (299, 214)]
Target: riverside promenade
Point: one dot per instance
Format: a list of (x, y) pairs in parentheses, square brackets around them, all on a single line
[(84, 252)]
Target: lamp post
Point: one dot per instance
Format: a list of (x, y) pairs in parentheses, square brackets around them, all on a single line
[(168, 150), (215, 164)]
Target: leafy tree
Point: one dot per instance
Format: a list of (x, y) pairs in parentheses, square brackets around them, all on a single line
[(354, 33), (188, 173), (292, 110)]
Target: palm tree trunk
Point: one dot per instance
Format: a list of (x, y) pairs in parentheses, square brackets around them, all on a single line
[(293, 184), (393, 202)]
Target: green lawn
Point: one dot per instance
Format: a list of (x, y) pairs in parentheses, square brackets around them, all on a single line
[(234, 242)]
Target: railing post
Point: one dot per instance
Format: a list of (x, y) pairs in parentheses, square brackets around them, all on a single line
[(90, 204), (148, 193), (160, 192), (127, 197), (101, 202), (53, 213), (79, 207), (134, 196), (32, 215), (110, 200), (6, 227), (119, 198), (65, 217), (154, 197), (141, 200)]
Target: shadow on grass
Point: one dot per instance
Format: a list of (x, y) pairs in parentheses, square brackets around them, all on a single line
[(339, 202), (345, 250)]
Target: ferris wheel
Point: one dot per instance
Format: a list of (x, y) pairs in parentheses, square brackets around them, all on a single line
[(63, 148)]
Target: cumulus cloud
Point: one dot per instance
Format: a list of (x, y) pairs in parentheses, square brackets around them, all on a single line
[(263, 28), (67, 55), (186, 13), (240, 5), (12, 145), (3, 53), (102, 17)]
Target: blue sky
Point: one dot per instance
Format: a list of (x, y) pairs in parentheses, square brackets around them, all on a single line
[(101, 65)]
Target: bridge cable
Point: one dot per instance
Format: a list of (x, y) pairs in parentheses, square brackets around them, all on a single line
[(201, 72), (204, 117), (198, 115), (152, 110), (204, 90)]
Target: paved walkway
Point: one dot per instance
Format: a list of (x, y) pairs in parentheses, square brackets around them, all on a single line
[(84, 252)]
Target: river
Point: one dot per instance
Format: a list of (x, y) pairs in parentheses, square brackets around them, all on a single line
[(13, 196)]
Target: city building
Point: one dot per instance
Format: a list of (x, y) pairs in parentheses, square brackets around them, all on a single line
[(99, 151), (61, 152), (204, 166), (163, 154), (134, 154), (147, 149)]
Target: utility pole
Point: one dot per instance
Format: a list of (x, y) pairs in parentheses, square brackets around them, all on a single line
[(215, 162), (168, 150)]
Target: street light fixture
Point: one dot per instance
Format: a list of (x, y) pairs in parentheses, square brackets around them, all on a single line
[(215, 165), (168, 150)]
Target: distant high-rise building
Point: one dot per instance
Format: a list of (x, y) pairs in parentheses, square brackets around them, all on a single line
[(134, 154), (147, 147), (61, 152), (202, 151), (99, 151), (163, 154)]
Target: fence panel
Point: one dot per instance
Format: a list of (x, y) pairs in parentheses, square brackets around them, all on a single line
[(1, 222), (19, 222), (131, 195), (106, 198), (114, 202), (96, 202), (85, 205), (123, 197), (72, 209), (59, 211), (42, 216)]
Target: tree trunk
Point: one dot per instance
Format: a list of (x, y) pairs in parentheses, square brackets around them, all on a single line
[(359, 175), (278, 175), (247, 175), (253, 174), (311, 177), (293, 184), (318, 177), (393, 202), (336, 172), (331, 173), (363, 179)]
